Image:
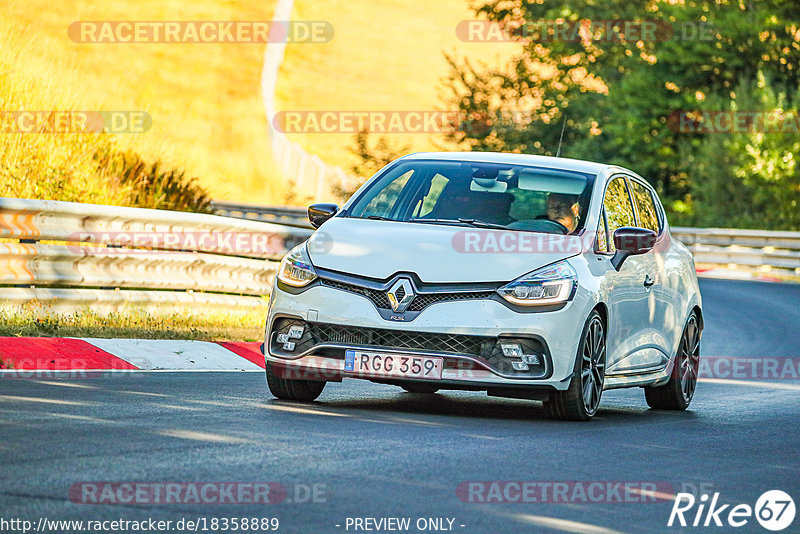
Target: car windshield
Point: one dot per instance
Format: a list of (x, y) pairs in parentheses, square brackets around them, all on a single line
[(484, 195)]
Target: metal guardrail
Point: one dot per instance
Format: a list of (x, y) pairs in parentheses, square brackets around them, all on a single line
[(297, 217), (764, 251), (68, 254)]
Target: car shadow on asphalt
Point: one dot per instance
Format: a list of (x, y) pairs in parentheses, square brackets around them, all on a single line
[(478, 406)]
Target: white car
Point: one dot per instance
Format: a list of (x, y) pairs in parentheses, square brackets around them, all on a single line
[(523, 276)]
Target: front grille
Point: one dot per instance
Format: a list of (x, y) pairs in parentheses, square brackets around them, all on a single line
[(400, 339), (423, 300), (484, 347), (317, 333), (420, 302), (378, 298)]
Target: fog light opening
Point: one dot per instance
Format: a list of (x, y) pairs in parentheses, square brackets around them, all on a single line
[(531, 359), (511, 350), (295, 332), (520, 366)]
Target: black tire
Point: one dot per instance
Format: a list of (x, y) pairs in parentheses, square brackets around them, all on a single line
[(580, 400), (293, 389), (678, 392), (413, 387)]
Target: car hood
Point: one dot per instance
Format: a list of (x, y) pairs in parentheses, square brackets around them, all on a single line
[(436, 253)]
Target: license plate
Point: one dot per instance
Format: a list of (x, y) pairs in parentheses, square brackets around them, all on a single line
[(388, 364)]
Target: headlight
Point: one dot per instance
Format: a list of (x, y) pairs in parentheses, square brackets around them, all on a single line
[(296, 269), (552, 284)]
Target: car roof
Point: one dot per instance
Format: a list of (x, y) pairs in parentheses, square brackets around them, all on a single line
[(567, 164)]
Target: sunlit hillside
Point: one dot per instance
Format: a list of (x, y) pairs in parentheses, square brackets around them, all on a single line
[(386, 55), (204, 98)]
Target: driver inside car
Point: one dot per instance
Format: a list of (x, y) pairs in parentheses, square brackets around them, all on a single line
[(563, 209)]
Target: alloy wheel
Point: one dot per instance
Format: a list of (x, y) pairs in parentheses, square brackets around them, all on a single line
[(593, 365), (689, 358)]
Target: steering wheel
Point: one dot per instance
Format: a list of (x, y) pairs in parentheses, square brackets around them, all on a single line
[(554, 224)]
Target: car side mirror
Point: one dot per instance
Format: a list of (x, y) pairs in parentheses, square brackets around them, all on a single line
[(319, 213), (630, 241)]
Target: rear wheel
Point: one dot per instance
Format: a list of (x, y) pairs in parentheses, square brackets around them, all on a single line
[(579, 402), (293, 389), (678, 392), (412, 387)]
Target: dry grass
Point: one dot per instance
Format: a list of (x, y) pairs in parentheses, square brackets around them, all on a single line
[(204, 99), (45, 165), (37, 321)]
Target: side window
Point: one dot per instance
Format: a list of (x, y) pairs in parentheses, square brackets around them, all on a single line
[(383, 203), (645, 206), (618, 208), (602, 235), (425, 204)]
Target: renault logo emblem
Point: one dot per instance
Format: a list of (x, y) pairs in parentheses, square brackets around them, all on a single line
[(401, 294)]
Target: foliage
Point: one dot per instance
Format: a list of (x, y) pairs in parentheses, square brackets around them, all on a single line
[(370, 159), (617, 95), (151, 186), (751, 178)]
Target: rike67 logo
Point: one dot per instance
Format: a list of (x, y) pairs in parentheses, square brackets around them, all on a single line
[(774, 510)]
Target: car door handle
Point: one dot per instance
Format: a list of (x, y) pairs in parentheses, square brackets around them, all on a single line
[(649, 281)]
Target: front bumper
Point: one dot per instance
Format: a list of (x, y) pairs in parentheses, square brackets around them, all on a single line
[(553, 334)]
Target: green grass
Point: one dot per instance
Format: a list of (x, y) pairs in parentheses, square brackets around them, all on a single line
[(35, 320)]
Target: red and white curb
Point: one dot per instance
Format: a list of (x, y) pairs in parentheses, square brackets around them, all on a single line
[(90, 354)]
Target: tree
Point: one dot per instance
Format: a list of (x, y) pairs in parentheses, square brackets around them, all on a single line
[(369, 160), (618, 90)]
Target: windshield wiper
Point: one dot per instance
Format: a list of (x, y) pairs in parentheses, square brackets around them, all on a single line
[(471, 222), (379, 218), (481, 224), (435, 221)]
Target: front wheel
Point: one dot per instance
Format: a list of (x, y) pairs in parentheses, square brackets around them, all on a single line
[(579, 402), (293, 389), (678, 392)]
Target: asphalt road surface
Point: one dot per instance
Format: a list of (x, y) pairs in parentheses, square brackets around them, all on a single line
[(372, 451)]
